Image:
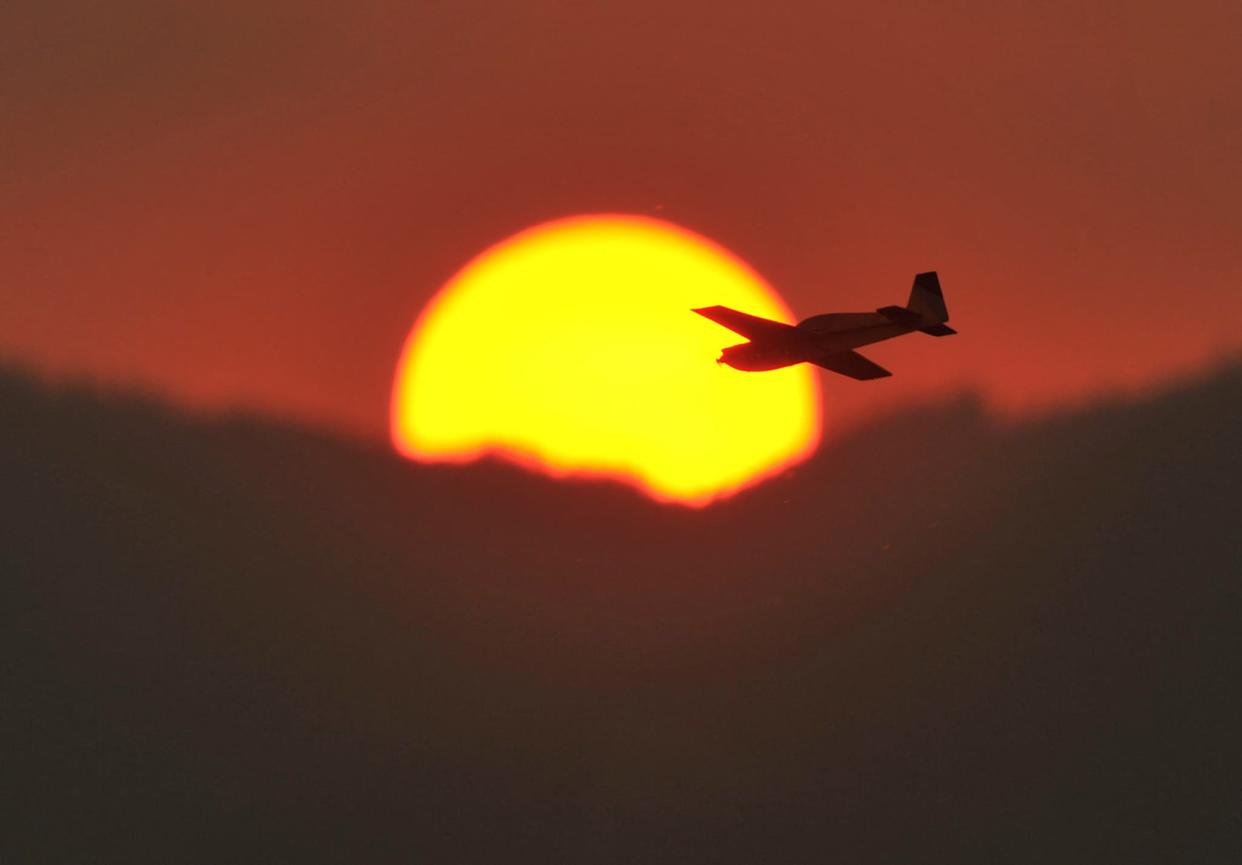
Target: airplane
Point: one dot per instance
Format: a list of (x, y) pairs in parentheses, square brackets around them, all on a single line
[(829, 340)]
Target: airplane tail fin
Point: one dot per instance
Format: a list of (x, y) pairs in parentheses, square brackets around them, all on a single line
[(927, 300)]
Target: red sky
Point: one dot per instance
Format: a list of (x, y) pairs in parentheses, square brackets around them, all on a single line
[(241, 205)]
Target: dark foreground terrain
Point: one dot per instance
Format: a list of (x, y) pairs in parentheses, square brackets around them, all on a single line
[(943, 640)]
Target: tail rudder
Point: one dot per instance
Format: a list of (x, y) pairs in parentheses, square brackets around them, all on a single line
[(927, 299)]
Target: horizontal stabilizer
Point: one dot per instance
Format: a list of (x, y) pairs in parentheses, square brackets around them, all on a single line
[(900, 315), (749, 326), (852, 364), (938, 330)]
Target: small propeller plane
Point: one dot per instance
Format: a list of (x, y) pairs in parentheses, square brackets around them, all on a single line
[(829, 340)]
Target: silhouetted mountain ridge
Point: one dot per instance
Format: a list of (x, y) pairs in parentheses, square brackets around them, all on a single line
[(942, 638)]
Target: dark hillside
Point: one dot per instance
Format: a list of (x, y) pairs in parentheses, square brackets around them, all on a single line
[(942, 640)]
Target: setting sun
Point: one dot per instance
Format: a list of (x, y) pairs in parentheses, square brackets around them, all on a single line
[(571, 348)]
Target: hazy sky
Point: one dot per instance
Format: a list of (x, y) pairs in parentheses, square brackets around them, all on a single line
[(247, 203)]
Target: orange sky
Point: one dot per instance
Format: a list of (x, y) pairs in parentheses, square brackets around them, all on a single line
[(242, 205)]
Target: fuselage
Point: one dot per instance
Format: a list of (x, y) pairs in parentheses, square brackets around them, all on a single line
[(813, 338)]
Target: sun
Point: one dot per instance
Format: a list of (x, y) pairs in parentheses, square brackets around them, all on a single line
[(571, 348)]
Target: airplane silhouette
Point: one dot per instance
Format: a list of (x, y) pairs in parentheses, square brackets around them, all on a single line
[(829, 340)]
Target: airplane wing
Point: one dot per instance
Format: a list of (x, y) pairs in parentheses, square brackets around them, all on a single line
[(749, 326), (852, 364)]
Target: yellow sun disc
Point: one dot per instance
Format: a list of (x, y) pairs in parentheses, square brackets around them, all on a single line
[(570, 347)]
